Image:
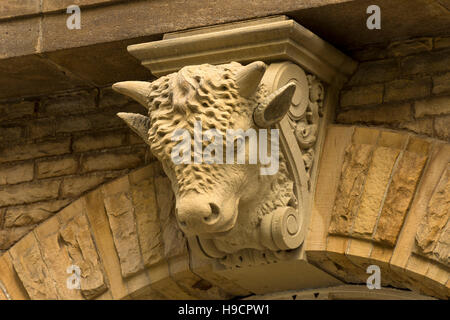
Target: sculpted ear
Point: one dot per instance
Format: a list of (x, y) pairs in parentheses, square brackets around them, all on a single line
[(137, 90), (275, 107), (138, 123), (249, 78)]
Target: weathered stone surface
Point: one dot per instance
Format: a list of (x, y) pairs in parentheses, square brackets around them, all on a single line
[(73, 124), (426, 63), (20, 216), (419, 126), (354, 171), (359, 96), (375, 72), (404, 89), (34, 150), (432, 106), (442, 249), (10, 236), (406, 48), (110, 98), (119, 207), (16, 174), (433, 224), (96, 213), (398, 198), (56, 168), (32, 270), (442, 127), (15, 42), (75, 186), (10, 280), (41, 128), (98, 141), (146, 211), (13, 8), (67, 104), (379, 115), (16, 110), (29, 192), (442, 42), (111, 161), (10, 134), (173, 239), (441, 83), (78, 242), (376, 183), (56, 258)]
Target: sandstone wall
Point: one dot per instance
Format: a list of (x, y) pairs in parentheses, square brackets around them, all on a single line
[(55, 148), (404, 85)]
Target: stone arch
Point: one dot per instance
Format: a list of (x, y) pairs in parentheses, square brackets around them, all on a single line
[(125, 239)]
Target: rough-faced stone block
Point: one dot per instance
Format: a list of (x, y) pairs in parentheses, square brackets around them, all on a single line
[(34, 150), (419, 126), (16, 110), (442, 128), (432, 233), (399, 195), (29, 192), (409, 47), (380, 170), (360, 96), (119, 207), (111, 161), (9, 236), (98, 141), (426, 63), (16, 173), (75, 186), (142, 186), (404, 89), (77, 239), (386, 113), (56, 168), (9, 134), (41, 128), (354, 171), (432, 106), (375, 72), (441, 83), (32, 269), (71, 103), (32, 214)]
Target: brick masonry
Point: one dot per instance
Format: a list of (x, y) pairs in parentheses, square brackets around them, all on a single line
[(54, 149), (403, 85)]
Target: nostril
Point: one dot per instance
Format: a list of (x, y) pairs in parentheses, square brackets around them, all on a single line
[(215, 211)]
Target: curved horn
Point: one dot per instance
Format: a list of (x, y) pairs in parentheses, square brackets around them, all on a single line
[(275, 107), (138, 123), (138, 90), (249, 78)]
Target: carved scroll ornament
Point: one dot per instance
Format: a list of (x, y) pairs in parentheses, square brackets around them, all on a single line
[(231, 212)]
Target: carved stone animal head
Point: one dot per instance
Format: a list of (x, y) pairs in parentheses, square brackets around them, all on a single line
[(212, 197)]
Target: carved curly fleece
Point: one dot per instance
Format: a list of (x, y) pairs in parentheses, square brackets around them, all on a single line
[(208, 94)]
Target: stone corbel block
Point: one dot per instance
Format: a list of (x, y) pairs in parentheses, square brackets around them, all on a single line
[(270, 40), (290, 83)]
